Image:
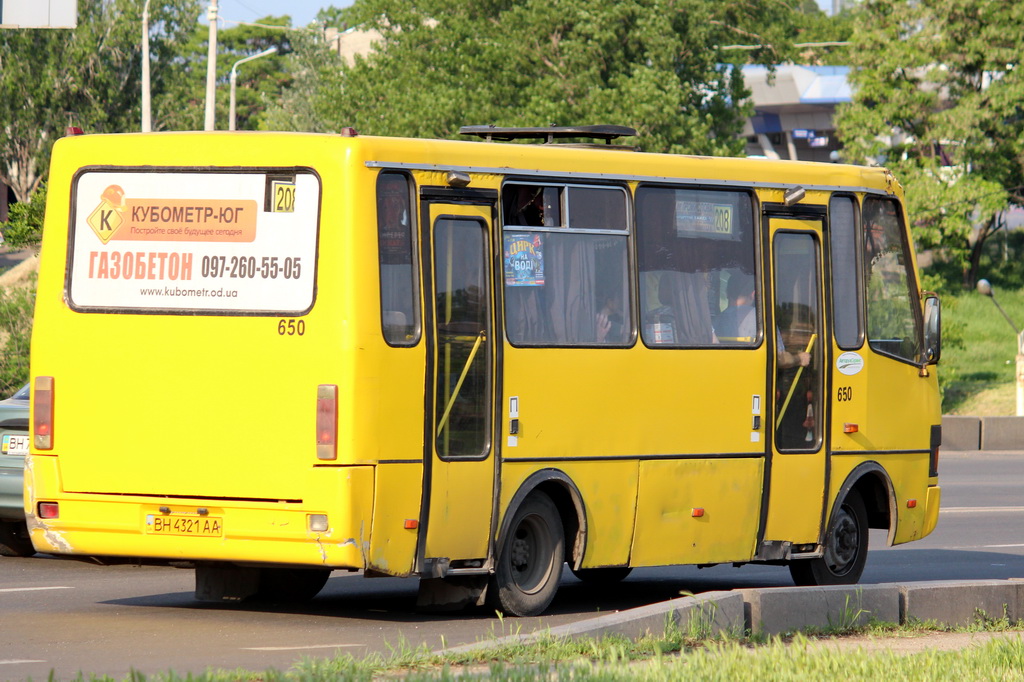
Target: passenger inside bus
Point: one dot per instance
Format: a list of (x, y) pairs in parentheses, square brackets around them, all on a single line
[(738, 322)]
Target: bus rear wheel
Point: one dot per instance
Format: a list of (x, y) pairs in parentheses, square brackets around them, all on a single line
[(530, 559), (846, 548)]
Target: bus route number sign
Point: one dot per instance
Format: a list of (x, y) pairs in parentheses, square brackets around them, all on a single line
[(283, 193)]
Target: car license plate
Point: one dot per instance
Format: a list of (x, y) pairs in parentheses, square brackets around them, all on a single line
[(14, 444), (197, 526)]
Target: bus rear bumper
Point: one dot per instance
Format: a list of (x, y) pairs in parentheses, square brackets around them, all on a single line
[(183, 530)]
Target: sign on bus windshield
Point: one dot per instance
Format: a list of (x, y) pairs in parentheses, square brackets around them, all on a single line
[(233, 242)]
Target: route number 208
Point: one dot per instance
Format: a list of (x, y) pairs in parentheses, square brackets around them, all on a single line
[(844, 394)]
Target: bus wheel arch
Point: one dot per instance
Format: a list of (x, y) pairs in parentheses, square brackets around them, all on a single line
[(872, 482), (544, 526)]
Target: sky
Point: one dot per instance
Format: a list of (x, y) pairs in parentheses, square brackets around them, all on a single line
[(301, 11), (304, 11)]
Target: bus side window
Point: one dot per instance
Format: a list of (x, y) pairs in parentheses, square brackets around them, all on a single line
[(566, 272), (847, 296), (893, 322), (696, 247), (398, 290)]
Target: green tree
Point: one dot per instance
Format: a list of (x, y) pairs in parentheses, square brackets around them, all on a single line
[(24, 226), (89, 76), (657, 65), (938, 93), (259, 82)]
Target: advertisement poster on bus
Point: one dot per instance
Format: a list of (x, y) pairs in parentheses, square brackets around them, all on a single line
[(237, 242), (524, 260)]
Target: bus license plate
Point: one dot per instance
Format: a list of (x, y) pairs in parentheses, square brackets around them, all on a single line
[(14, 445), (197, 526)]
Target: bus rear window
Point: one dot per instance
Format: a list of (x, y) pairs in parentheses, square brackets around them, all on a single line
[(188, 242)]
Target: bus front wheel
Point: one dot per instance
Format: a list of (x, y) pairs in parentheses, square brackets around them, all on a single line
[(846, 548), (530, 559)]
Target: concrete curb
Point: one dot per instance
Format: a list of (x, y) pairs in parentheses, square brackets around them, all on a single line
[(967, 434), (778, 610)]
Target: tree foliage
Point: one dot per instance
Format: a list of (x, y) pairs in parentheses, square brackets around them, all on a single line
[(657, 65), (24, 226), (89, 77), (258, 82), (938, 98)]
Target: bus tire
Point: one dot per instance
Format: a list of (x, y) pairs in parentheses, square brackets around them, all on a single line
[(530, 559), (14, 539), (846, 548), (291, 584), (608, 575)]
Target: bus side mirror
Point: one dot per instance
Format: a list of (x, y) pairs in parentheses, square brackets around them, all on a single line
[(932, 346)]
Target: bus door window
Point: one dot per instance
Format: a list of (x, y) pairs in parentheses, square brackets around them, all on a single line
[(462, 407), (566, 267), (893, 321), (692, 243), (798, 343)]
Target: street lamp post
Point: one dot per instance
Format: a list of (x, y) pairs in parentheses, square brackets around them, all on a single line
[(147, 122), (211, 67), (234, 79), (985, 289)]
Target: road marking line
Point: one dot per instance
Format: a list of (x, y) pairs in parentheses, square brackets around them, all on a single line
[(34, 589), (14, 661), (978, 510), (298, 648)]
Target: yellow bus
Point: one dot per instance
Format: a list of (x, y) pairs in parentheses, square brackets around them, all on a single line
[(268, 356)]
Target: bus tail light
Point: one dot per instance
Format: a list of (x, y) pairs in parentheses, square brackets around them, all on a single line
[(42, 413), (327, 421), (48, 510)]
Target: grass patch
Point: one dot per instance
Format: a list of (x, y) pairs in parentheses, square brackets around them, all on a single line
[(673, 656), (977, 369)]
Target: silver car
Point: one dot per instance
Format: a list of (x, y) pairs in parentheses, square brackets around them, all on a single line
[(14, 442)]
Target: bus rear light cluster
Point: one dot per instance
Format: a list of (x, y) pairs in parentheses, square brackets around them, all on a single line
[(42, 413), (48, 510), (327, 421)]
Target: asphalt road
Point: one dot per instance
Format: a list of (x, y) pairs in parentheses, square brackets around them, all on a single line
[(69, 616)]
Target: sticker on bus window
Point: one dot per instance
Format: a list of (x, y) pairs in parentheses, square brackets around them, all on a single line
[(704, 219), (524, 260), (188, 241)]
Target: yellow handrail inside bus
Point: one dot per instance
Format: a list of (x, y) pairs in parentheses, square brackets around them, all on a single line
[(792, 386), (458, 384)]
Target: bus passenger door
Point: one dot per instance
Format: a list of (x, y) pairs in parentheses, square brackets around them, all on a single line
[(798, 468), (459, 478)]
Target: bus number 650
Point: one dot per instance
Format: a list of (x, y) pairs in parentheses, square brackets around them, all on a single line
[(291, 327)]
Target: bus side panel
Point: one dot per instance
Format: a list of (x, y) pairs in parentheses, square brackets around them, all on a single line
[(396, 500), (697, 511), (609, 495)]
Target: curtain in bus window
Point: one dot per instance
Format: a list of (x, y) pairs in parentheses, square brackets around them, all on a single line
[(582, 297), (692, 243), (892, 319)]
